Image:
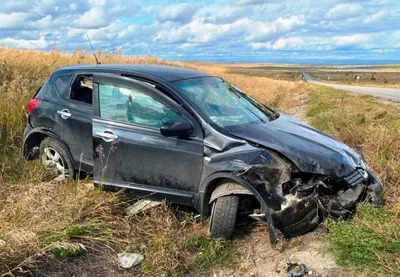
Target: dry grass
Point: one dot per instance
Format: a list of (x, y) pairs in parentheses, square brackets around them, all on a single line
[(66, 220)]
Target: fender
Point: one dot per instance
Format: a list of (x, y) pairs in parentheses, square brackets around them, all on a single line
[(46, 132), (204, 202), (229, 189)]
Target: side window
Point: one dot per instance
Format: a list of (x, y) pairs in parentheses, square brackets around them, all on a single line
[(81, 89), (62, 84), (132, 106)]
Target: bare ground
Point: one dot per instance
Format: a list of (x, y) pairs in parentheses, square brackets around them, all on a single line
[(300, 109), (99, 262), (258, 258)]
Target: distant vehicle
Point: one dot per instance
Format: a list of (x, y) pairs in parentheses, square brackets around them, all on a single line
[(194, 139)]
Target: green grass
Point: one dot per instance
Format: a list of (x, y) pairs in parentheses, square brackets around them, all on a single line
[(209, 251), (371, 241)]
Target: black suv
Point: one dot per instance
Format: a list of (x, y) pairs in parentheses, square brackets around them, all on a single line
[(194, 139)]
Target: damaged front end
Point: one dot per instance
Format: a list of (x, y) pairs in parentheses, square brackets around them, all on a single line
[(307, 200), (291, 200)]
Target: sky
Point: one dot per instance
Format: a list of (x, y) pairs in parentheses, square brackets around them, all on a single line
[(303, 31)]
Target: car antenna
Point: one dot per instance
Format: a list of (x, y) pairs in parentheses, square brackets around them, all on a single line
[(94, 53)]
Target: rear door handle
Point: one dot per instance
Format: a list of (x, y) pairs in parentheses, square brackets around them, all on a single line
[(107, 135), (64, 113)]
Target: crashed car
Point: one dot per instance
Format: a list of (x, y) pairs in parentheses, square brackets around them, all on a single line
[(194, 139)]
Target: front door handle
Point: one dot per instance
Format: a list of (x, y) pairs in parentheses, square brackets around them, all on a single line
[(64, 113), (107, 135)]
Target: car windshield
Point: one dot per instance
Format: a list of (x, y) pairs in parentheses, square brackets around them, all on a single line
[(220, 102)]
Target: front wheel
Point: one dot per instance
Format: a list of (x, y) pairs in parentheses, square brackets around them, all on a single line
[(223, 216)]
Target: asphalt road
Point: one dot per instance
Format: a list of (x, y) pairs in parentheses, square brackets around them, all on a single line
[(386, 93)]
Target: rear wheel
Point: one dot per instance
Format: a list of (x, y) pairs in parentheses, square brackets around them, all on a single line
[(223, 216), (55, 157)]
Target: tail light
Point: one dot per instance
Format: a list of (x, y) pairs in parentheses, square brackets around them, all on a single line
[(32, 104)]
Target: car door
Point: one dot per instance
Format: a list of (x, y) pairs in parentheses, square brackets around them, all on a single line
[(129, 149), (74, 124)]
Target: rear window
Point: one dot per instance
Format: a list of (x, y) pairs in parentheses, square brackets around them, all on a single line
[(62, 84)]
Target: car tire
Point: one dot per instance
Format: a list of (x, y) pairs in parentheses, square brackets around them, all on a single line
[(52, 161), (223, 216)]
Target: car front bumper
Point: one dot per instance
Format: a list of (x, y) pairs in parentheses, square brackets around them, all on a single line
[(310, 211)]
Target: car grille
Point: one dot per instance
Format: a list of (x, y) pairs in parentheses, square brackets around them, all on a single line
[(356, 177)]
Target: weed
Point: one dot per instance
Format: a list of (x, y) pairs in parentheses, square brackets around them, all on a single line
[(64, 250), (208, 251), (318, 108), (192, 251), (371, 240)]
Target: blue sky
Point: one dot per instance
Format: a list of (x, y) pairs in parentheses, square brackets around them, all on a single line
[(304, 31)]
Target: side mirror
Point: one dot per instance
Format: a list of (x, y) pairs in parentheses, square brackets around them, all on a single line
[(178, 127)]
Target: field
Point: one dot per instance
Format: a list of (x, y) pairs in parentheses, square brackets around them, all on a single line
[(73, 227), (286, 72), (381, 77)]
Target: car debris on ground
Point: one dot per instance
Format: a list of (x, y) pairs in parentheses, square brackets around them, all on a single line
[(296, 270), (128, 260), (141, 206)]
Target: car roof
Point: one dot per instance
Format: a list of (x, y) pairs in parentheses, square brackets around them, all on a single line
[(167, 73)]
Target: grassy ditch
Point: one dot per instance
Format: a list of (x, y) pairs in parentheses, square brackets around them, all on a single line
[(63, 221), (371, 241)]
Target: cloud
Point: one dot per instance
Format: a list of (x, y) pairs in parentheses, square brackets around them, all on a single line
[(40, 43), (222, 14), (177, 13), (290, 43), (317, 43), (14, 6), (255, 2), (229, 29), (342, 11), (13, 20), (350, 40), (195, 31), (94, 18), (375, 17), (102, 13), (260, 31)]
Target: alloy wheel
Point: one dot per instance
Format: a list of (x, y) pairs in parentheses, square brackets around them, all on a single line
[(52, 160)]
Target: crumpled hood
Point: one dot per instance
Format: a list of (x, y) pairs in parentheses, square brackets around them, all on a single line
[(309, 149)]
